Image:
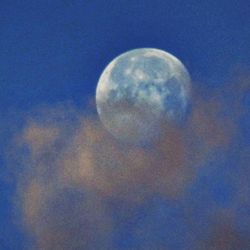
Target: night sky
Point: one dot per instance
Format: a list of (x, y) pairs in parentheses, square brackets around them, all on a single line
[(52, 54)]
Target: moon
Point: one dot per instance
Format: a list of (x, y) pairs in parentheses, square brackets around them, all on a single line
[(139, 91)]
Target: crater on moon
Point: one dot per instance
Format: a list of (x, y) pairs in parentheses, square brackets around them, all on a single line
[(139, 91)]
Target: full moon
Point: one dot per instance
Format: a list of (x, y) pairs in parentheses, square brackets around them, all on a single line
[(141, 90)]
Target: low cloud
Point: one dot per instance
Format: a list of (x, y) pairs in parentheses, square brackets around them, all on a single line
[(224, 236), (73, 169)]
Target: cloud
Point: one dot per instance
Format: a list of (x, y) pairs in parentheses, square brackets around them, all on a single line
[(224, 236), (73, 169), (65, 218)]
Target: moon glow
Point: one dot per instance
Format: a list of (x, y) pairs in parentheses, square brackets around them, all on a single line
[(139, 90)]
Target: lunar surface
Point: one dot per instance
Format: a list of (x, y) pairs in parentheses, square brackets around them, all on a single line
[(139, 91)]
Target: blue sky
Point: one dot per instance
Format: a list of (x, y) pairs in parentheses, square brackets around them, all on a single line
[(53, 52)]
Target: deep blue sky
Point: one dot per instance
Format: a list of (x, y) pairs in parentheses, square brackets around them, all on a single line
[(54, 51)]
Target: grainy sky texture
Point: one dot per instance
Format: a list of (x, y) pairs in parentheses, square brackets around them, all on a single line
[(66, 183)]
